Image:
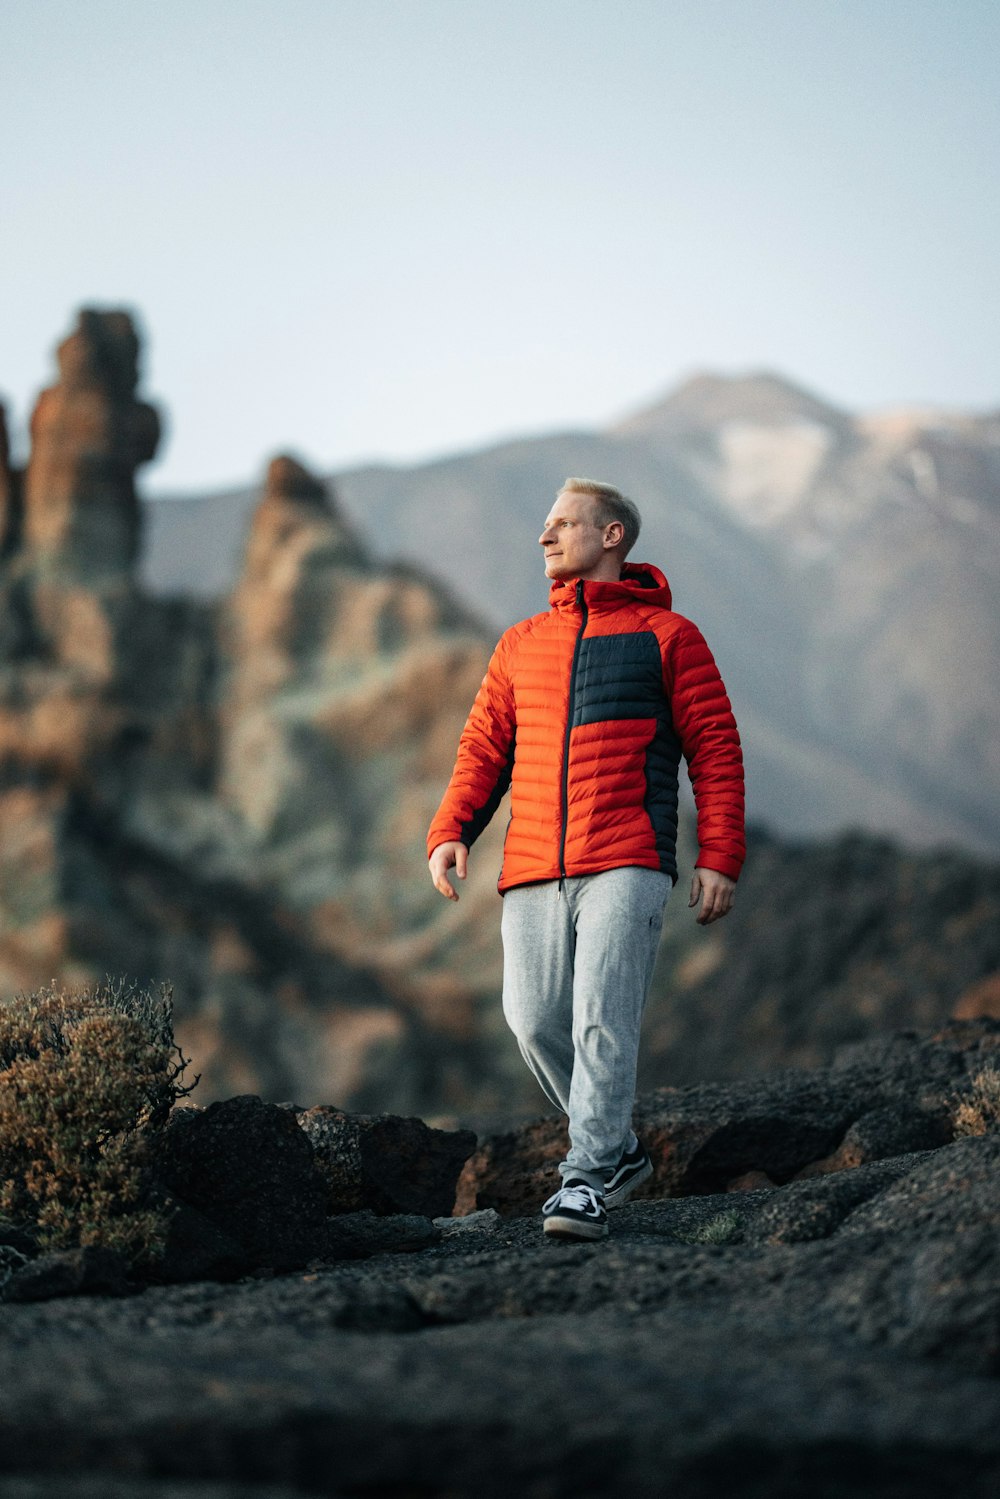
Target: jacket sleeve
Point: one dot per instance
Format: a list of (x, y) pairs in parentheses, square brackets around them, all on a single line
[(484, 761), (704, 722)]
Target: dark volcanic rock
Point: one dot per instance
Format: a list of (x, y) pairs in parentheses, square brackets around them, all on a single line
[(112, 1486), (247, 1167), (834, 1336), (828, 942), (813, 1209), (360, 1235), (885, 1099), (946, 1191), (689, 1354), (17, 1238), (93, 1271), (385, 1163), (513, 1172), (196, 1248), (886, 1131)]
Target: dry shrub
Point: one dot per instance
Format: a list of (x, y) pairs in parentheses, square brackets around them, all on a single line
[(977, 1110), (84, 1078)]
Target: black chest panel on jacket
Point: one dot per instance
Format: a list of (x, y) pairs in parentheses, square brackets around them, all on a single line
[(619, 676)]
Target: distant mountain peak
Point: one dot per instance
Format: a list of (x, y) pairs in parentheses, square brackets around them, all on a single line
[(706, 399)]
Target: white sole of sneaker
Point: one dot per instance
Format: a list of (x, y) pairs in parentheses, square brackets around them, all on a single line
[(621, 1195), (572, 1228)]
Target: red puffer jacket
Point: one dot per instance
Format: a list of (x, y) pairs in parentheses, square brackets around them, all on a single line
[(585, 712)]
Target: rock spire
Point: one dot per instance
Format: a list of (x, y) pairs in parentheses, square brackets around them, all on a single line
[(89, 435)]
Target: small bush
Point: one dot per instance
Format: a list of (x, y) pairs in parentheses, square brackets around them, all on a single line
[(84, 1078), (977, 1111)]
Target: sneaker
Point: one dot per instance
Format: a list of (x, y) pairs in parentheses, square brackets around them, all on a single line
[(576, 1211), (632, 1170)]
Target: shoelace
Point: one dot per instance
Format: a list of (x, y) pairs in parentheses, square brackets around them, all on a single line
[(582, 1199)]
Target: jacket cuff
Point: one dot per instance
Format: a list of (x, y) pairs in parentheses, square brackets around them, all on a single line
[(721, 863)]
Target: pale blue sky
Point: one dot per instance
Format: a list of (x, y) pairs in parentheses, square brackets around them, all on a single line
[(392, 228)]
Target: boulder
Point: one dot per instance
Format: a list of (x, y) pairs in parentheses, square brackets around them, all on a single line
[(248, 1169), (358, 1236), (91, 1271), (890, 1130), (195, 1248), (384, 1163)]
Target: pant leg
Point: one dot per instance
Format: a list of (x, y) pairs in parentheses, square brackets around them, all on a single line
[(619, 916), (538, 947)]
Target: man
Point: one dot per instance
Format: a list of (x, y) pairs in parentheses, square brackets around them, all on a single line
[(584, 712)]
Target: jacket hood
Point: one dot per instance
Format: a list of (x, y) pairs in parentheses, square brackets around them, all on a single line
[(640, 583)]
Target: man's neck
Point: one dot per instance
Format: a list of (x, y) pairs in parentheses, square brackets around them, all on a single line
[(604, 572)]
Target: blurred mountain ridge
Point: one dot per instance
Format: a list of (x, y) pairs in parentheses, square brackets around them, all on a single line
[(844, 568)]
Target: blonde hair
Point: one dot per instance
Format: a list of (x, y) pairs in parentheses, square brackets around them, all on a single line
[(611, 505)]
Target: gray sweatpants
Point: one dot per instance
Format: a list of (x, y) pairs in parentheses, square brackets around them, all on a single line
[(578, 961)]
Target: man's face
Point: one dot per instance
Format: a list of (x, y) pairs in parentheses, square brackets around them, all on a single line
[(573, 542)]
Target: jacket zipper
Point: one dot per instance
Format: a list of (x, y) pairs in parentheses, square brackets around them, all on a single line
[(569, 725)]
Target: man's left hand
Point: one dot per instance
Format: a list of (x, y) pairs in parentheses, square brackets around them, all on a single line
[(716, 892)]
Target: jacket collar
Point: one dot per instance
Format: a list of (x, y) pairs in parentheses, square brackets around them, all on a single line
[(640, 583)]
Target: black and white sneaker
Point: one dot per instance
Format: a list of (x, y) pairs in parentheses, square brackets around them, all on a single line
[(632, 1170), (576, 1211)]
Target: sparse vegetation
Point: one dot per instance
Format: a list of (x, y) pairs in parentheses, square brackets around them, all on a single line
[(722, 1228), (84, 1078), (977, 1109)]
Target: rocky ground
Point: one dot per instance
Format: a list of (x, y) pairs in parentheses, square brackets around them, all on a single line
[(825, 1323)]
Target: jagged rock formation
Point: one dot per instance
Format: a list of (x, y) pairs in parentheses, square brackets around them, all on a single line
[(89, 435), (73, 632), (70, 531), (836, 1335), (342, 689), (232, 799)]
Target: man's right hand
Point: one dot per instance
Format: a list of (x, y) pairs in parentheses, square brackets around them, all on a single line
[(448, 856)]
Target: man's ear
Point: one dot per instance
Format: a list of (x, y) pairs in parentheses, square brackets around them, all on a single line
[(613, 535)]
